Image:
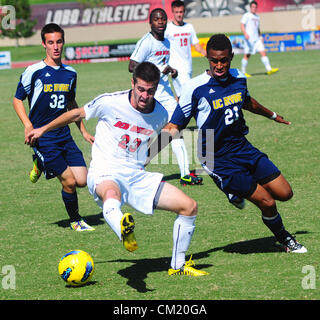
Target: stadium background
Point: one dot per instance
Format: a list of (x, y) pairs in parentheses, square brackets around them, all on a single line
[(125, 19)]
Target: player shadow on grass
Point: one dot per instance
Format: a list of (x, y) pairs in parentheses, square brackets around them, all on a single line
[(140, 268), (258, 74), (93, 220)]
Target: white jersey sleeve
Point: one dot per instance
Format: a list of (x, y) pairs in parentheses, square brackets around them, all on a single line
[(96, 108), (142, 49), (152, 50)]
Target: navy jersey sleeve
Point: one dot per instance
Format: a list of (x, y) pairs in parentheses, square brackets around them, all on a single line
[(24, 86), (179, 117), (73, 88)]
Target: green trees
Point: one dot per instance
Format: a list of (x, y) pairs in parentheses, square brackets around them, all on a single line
[(22, 26)]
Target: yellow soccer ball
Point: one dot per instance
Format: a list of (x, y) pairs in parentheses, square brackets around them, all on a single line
[(76, 267)]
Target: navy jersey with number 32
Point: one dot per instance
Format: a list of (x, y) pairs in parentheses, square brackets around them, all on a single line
[(49, 91)]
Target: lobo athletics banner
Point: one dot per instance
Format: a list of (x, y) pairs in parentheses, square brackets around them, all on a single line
[(75, 14)]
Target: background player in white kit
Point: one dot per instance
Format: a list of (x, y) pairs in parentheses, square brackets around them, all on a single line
[(126, 122), (250, 27), (155, 48), (181, 36)]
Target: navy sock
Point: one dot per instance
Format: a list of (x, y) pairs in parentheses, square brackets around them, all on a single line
[(276, 226), (71, 203)]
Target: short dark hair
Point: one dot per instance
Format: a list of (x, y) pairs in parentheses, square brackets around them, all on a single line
[(177, 4), (154, 11), (51, 28), (253, 2), (219, 42), (147, 72)]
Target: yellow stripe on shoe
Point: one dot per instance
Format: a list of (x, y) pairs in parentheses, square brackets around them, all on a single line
[(35, 173), (128, 237), (188, 270)]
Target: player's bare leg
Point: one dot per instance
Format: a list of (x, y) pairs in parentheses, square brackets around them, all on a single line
[(266, 62), (80, 175), (279, 188), (70, 180), (244, 64), (264, 200)]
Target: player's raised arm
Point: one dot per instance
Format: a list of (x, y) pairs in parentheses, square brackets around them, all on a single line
[(73, 115), (254, 106), (86, 135)]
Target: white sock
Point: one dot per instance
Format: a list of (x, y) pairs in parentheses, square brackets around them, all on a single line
[(180, 151), (183, 229), (244, 64), (112, 214), (266, 62)]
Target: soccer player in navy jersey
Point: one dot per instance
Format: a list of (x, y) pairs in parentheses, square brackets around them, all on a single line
[(216, 99), (50, 87)]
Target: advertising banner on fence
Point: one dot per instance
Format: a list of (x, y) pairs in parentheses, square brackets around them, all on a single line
[(273, 42), (281, 42), (212, 8), (5, 60), (105, 51), (75, 14)]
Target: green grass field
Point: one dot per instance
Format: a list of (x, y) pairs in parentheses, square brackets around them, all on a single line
[(234, 246)]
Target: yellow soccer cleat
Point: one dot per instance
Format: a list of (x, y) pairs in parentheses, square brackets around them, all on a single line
[(273, 70), (35, 173), (128, 238), (187, 270), (80, 226), (248, 75)]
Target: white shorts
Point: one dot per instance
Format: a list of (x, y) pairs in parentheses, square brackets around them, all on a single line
[(253, 47), (180, 80), (166, 97), (138, 187)]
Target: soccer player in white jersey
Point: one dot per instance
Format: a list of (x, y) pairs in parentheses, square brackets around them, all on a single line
[(155, 48), (181, 36), (250, 27), (127, 120), (50, 87)]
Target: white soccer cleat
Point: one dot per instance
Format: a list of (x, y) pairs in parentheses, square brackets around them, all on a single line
[(292, 245)]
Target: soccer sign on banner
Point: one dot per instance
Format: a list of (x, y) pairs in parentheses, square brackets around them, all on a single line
[(5, 60)]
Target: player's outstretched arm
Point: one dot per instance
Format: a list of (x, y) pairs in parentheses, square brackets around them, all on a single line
[(86, 135), (254, 106), (199, 49), (66, 118)]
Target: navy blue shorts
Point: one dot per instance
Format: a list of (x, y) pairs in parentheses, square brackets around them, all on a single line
[(238, 173), (54, 159)]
